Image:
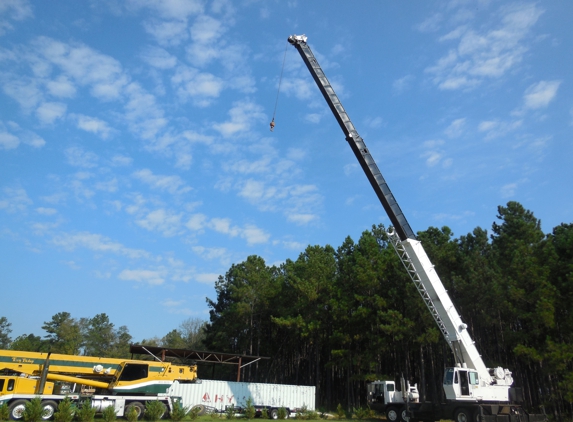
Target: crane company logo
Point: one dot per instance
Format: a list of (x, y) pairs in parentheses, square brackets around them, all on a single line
[(22, 360), (219, 398)]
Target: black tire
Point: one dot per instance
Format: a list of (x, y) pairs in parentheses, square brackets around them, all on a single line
[(463, 415), (17, 410), (404, 415), (138, 407), (200, 409), (50, 407), (274, 413), (392, 414)]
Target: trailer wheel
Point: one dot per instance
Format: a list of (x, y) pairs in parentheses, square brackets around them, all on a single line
[(199, 409), (463, 415), (139, 408), (17, 410), (392, 414), (274, 414), (50, 407)]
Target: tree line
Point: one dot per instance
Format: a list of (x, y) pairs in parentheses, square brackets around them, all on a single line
[(96, 336), (339, 318)]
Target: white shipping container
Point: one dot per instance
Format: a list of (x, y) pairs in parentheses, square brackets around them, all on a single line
[(219, 394)]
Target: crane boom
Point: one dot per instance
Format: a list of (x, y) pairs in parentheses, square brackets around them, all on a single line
[(415, 259)]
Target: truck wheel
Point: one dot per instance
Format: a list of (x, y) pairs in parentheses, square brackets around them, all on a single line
[(274, 414), (199, 409), (139, 408), (392, 414), (50, 407), (404, 416), (463, 415), (17, 410)]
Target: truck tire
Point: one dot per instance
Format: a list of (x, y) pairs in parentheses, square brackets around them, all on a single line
[(17, 410), (50, 407), (200, 409), (392, 414), (274, 413), (404, 415), (139, 408), (463, 415)]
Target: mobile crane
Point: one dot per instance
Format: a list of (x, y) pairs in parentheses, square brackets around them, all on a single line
[(471, 389), (121, 383)]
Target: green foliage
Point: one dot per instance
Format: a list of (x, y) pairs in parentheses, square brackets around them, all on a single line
[(215, 415), (363, 413), (154, 410), (340, 412), (264, 413), (180, 412), (33, 410), (307, 415), (109, 414), (132, 414), (85, 412), (249, 409), (4, 412), (282, 413), (230, 412), (66, 411), (5, 331)]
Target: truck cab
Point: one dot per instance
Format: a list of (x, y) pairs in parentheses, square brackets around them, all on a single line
[(460, 383)]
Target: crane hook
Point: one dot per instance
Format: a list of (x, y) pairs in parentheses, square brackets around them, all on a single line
[(272, 124)]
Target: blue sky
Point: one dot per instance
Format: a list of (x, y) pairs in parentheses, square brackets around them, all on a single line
[(137, 164)]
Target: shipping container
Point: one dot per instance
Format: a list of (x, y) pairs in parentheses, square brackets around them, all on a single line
[(217, 395)]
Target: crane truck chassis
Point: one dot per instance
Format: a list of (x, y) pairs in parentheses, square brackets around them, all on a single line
[(121, 383), (473, 392)]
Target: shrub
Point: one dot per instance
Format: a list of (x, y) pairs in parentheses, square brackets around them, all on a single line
[(249, 409), (4, 412), (282, 413), (132, 414), (33, 410), (109, 414), (66, 411), (264, 413), (230, 412), (340, 412), (154, 410), (86, 412), (363, 413), (179, 412)]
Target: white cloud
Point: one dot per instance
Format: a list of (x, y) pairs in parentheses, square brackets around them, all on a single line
[(456, 128), (170, 9), (8, 141), (143, 276), (97, 243), (206, 30), (15, 200), (93, 125), (172, 184), (431, 24), (61, 87), (498, 128), (196, 222), (539, 95), (46, 211), (508, 190), (207, 278), (48, 112), (158, 57), (242, 115), (86, 66), (77, 157), (200, 86), (167, 32), (15, 10), (254, 235), (486, 53), (142, 114), (164, 221)]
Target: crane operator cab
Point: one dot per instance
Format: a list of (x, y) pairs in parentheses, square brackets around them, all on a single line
[(459, 383)]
